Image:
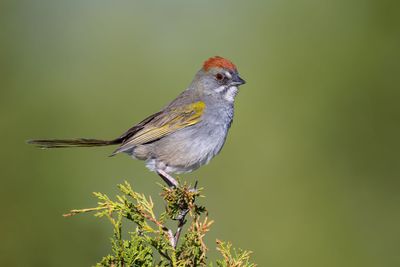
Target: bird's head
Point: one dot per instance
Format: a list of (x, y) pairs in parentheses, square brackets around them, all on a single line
[(219, 77)]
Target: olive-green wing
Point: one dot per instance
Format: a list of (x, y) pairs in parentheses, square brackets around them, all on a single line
[(164, 123)]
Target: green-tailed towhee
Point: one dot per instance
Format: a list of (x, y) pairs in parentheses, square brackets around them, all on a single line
[(185, 134)]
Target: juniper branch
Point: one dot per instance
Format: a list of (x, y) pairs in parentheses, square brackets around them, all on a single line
[(139, 249)]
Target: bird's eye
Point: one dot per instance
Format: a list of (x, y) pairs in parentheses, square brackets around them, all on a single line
[(219, 76)]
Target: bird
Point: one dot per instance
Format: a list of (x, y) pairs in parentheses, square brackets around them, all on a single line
[(184, 135)]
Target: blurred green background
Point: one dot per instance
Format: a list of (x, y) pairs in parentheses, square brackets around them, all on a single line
[(312, 161)]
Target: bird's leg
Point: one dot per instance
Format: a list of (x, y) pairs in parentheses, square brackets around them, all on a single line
[(168, 179)]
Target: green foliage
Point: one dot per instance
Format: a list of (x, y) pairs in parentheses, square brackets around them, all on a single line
[(152, 243), (235, 258)]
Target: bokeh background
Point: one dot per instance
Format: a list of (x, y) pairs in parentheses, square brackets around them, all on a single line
[(309, 175)]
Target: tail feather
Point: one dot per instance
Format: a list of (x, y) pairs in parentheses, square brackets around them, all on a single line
[(80, 142)]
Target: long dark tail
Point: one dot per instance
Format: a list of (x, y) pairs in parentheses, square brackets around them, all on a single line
[(80, 142)]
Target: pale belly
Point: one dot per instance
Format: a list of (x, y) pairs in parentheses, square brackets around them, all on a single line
[(187, 150)]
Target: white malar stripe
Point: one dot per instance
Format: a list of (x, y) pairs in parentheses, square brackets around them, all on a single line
[(220, 89), (231, 93)]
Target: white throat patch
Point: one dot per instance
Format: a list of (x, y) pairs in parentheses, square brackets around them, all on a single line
[(230, 93)]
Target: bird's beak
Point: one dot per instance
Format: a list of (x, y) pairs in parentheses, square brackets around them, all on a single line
[(237, 80)]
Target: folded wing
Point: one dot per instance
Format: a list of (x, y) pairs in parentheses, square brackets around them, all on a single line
[(162, 124)]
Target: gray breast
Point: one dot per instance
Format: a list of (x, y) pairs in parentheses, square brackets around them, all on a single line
[(194, 146)]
